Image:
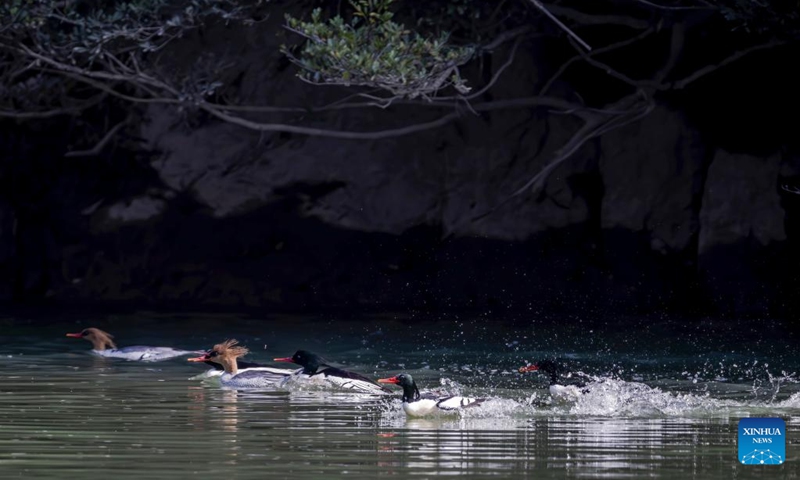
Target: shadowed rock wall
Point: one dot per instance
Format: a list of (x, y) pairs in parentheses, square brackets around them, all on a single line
[(665, 214)]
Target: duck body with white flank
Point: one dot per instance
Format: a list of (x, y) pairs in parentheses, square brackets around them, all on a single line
[(417, 404), (226, 355), (218, 370), (103, 345), (316, 371), (557, 388)]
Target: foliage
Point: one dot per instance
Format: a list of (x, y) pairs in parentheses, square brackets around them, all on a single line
[(375, 51), (64, 37), (82, 29), (779, 18)]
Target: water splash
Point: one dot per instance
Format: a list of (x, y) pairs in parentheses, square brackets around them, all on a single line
[(614, 398)]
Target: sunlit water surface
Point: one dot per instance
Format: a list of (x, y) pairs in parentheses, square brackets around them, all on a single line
[(664, 400)]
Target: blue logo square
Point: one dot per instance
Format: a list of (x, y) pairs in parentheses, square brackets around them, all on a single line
[(762, 441)]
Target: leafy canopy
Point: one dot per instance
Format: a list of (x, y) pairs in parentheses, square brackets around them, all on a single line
[(375, 51)]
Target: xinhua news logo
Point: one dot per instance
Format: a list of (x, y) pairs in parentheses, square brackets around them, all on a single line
[(762, 441)]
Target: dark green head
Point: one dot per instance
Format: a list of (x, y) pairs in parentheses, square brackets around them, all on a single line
[(410, 389)]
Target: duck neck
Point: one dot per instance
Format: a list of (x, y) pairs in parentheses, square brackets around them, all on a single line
[(311, 367), (229, 365), (101, 342), (410, 392)]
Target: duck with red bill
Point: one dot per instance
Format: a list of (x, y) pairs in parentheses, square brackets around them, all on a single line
[(557, 373), (103, 345), (417, 404), (238, 374), (317, 371)]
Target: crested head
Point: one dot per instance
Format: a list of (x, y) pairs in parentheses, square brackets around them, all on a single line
[(229, 348), (225, 354), (100, 340)]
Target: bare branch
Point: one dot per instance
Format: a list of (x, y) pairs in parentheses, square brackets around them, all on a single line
[(790, 188), (110, 89), (137, 80), (492, 81), (589, 19), (538, 4), (666, 7), (675, 48), (632, 109), (619, 75), (592, 129), (504, 37), (43, 114), (55, 112), (608, 48), (100, 145), (710, 68), (396, 132)]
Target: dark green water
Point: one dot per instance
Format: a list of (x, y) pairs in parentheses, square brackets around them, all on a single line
[(665, 402)]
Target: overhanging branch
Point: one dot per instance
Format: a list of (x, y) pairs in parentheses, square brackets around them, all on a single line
[(101, 144), (710, 68), (538, 5)]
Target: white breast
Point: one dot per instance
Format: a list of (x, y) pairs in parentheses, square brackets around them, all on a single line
[(444, 405), (420, 408)]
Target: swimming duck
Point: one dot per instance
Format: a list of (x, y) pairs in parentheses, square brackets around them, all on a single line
[(104, 346), (557, 372), (417, 404), (316, 370), (227, 353)]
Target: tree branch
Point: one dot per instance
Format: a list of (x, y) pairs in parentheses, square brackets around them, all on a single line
[(591, 129), (589, 19), (100, 145), (504, 37), (136, 80), (675, 49), (667, 7), (73, 110), (790, 188), (396, 132), (594, 127), (619, 75), (492, 81), (710, 68), (608, 48), (538, 4)]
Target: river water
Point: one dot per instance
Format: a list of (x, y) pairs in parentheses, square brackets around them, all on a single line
[(665, 399)]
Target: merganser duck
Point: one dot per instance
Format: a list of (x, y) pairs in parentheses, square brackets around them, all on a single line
[(555, 370), (227, 353), (103, 345), (316, 370), (417, 404), (217, 369)]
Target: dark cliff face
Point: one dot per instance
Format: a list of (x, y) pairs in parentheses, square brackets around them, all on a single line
[(689, 210)]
